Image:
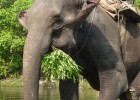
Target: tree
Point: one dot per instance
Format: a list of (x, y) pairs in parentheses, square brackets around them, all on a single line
[(11, 36), (138, 3)]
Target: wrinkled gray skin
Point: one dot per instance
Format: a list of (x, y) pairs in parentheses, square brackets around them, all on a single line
[(96, 47)]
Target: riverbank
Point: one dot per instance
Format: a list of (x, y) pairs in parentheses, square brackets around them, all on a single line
[(11, 82), (17, 82)]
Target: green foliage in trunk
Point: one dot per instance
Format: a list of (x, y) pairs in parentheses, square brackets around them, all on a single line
[(59, 65)]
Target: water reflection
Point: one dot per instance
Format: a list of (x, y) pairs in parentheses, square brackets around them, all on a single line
[(10, 93), (49, 94), (16, 93), (88, 94)]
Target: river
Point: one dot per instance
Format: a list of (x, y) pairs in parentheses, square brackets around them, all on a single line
[(16, 93)]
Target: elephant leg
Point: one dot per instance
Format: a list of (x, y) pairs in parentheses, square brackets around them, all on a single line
[(113, 80), (68, 90), (134, 90)]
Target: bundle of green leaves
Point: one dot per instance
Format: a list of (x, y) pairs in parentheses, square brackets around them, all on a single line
[(59, 65)]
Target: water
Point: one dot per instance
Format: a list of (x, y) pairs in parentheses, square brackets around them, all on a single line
[(16, 93)]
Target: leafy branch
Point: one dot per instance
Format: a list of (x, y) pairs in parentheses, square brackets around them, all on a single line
[(59, 65)]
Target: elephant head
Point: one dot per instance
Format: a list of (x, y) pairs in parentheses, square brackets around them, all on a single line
[(49, 22)]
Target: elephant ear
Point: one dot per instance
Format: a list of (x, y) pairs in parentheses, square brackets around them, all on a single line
[(87, 8), (22, 18)]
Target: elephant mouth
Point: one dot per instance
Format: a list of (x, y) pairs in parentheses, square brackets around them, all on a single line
[(69, 49), (65, 45)]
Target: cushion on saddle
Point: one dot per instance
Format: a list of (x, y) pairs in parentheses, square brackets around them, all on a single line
[(115, 8)]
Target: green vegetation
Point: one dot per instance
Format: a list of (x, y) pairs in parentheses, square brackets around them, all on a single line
[(11, 36), (60, 66), (138, 3)]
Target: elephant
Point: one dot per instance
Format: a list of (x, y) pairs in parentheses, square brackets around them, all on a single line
[(110, 62)]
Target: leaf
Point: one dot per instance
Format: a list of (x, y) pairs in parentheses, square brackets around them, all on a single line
[(58, 65)]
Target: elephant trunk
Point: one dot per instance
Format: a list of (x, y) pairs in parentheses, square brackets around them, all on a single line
[(37, 44)]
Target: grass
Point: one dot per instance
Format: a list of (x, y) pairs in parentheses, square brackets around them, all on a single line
[(17, 82)]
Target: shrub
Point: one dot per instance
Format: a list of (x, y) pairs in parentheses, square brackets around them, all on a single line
[(138, 3), (11, 36)]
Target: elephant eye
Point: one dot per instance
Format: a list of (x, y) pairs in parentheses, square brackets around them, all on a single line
[(57, 22)]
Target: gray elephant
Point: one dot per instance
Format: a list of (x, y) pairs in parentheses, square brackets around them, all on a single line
[(92, 39)]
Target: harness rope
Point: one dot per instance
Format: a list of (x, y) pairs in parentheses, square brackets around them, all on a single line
[(87, 33)]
